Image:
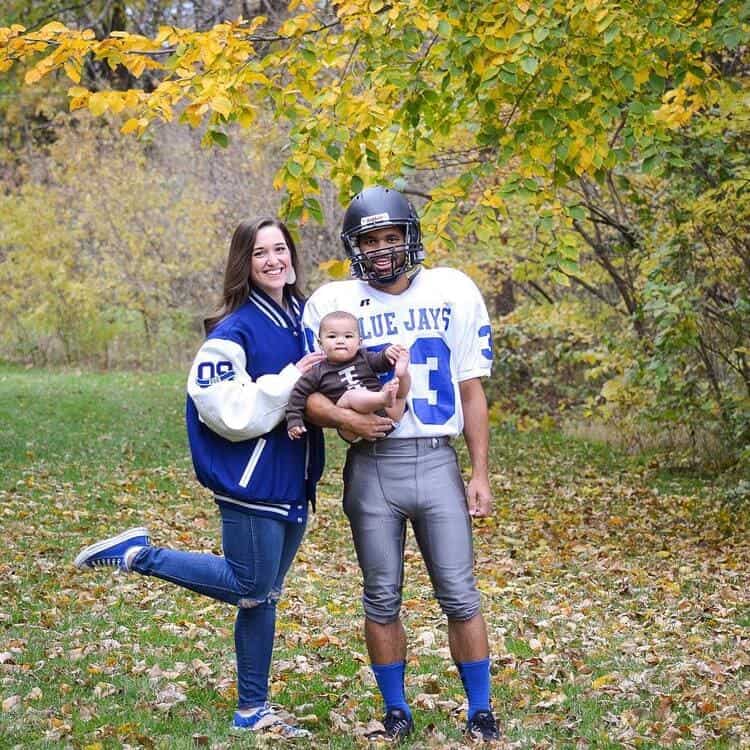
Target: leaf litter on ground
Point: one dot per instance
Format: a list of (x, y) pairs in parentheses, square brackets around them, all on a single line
[(618, 615)]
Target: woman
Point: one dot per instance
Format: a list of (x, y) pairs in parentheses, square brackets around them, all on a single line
[(262, 480)]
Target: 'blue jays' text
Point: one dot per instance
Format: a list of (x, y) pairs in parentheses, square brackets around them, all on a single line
[(413, 319)]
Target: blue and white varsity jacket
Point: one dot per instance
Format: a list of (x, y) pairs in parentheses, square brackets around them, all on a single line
[(238, 390)]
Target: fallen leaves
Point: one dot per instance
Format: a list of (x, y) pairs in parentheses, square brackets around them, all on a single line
[(615, 615)]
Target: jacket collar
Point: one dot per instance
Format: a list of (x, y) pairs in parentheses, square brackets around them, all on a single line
[(274, 312)]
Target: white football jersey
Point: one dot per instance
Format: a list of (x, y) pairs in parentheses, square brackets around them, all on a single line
[(441, 318)]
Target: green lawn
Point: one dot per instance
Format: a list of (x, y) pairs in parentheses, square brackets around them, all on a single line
[(617, 601)]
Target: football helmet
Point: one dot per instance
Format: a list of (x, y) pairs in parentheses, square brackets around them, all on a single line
[(376, 208)]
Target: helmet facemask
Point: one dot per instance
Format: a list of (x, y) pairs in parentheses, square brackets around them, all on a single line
[(379, 208), (385, 264)]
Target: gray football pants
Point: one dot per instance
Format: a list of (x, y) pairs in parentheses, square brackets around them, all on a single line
[(390, 481)]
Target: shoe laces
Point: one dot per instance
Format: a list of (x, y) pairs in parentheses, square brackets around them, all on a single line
[(267, 718), (396, 723), (106, 562)]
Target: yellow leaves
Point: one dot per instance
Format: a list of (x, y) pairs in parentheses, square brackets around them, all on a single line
[(541, 152), (246, 117), (336, 269), (491, 197), (677, 109), (79, 97), (641, 75), (252, 76), (222, 105), (98, 103), (132, 125), (585, 158), (135, 125), (52, 28), (691, 79), (613, 388), (136, 66), (604, 680), (209, 48), (34, 76), (73, 71), (299, 25), (425, 20)]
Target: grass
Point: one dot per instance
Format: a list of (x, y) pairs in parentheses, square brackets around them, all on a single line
[(616, 598)]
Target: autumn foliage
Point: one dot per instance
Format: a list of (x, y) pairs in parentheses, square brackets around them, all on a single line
[(583, 159)]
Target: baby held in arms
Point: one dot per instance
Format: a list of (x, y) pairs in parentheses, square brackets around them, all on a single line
[(348, 375)]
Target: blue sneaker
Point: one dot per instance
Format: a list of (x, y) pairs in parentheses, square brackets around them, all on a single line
[(266, 718), (113, 552)]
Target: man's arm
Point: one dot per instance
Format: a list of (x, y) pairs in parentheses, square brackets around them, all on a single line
[(477, 435), (323, 412)]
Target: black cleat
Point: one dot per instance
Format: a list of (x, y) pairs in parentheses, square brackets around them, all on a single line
[(397, 725), (482, 726)]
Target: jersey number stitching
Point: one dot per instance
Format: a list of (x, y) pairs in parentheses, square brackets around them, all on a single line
[(434, 353)]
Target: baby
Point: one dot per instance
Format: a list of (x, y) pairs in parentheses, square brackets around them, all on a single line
[(347, 375)]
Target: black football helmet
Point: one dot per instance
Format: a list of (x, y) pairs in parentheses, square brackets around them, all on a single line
[(375, 208)]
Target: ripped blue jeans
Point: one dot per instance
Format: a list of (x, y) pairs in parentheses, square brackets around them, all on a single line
[(257, 554)]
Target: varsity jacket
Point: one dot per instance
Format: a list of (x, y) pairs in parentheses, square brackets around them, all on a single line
[(238, 389)]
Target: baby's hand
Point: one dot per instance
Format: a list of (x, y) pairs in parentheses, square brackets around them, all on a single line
[(393, 352), (296, 432)]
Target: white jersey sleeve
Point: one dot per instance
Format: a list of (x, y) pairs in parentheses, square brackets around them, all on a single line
[(230, 402), (473, 332)]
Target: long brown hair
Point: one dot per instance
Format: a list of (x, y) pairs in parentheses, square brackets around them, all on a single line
[(237, 284)]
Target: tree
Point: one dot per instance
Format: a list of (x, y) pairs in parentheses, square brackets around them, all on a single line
[(516, 97), (571, 129)]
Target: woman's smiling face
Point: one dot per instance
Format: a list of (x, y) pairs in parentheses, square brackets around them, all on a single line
[(271, 261)]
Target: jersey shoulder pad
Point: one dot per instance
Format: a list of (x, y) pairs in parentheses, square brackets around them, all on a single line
[(336, 294), (450, 281)]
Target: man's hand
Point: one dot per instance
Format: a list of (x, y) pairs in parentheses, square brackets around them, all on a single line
[(321, 411), (479, 497), (296, 432), (477, 435), (367, 426)]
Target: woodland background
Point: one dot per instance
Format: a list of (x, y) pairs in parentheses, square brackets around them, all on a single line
[(585, 161), (600, 200)]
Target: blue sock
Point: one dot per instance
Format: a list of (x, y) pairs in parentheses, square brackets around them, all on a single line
[(475, 676), (390, 679)]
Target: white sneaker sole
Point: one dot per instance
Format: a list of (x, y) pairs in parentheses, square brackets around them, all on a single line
[(92, 549)]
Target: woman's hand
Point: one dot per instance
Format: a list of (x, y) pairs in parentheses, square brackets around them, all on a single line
[(309, 361)]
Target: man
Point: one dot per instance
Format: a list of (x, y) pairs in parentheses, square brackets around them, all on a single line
[(439, 315)]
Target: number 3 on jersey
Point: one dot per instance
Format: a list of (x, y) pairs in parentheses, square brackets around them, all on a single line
[(434, 353)]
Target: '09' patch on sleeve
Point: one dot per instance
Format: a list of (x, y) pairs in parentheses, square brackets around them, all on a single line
[(209, 373)]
